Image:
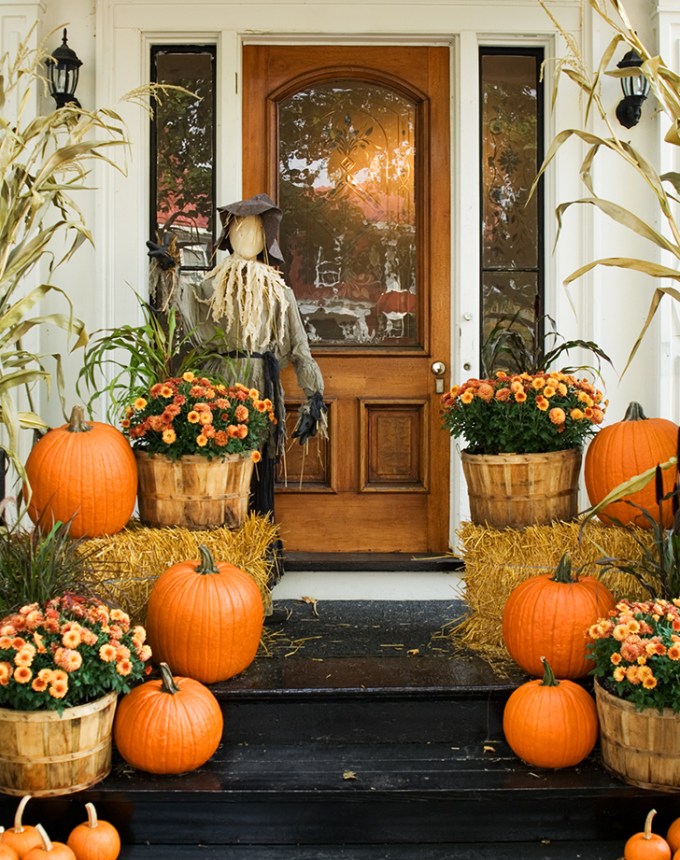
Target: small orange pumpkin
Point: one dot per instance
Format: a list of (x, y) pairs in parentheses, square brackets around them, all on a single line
[(84, 470), (550, 723), (48, 850), (548, 616), (6, 851), (626, 449), (647, 845), (22, 837), (171, 725), (94, 839), (219, 600)]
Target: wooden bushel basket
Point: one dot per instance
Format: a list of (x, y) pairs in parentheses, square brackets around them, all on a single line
[(45, 754), (640, 747), (193, 491), (517, 490)]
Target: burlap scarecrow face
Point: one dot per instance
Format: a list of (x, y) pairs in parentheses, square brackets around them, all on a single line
[(263, 206)]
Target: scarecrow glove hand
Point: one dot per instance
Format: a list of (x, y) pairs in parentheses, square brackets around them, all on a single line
[(159, 253), (309, 419)]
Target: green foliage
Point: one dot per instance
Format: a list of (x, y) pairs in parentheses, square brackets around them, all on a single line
[(137, 357), (663, 189), (523, 414), (40, 563), (516, 347)]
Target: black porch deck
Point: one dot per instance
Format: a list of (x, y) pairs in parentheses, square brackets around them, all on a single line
[(363, 734)]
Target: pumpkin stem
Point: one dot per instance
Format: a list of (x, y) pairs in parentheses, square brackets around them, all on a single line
[(91, 815), (207, 562), (46, 841), (549, 679), (169, 685), (77, 422), (634, 412), (563, 570), (18, 823), (648, 824)]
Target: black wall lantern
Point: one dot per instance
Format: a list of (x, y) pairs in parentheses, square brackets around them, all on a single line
[(635, 91), (63, 69)]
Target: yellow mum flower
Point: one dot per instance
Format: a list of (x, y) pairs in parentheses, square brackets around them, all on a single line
[(169, 436), (201, 440), (188, 376), (139, 404)]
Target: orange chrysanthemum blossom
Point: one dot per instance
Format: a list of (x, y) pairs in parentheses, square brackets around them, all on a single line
[(503, 394), (619, 674), (242, 413), (39, 685), (5, 673), (548, 391), (71, 638), (58, 689), (124, 667), (615, 658), (254, 393), (520, 396), (201, 440), (205, 417), (24, 657), (467, 397), (156, 423), (576, 414), (221, 438), (485, 392), (22, 674), (209, 431), (557, 415), (188, 376), (71, 661), (242, 431), (673, 652), (193, 417), (542, 403), (232, 431), (516, 386), (166, 391), (255, 456), (107, 653), (649, 682), (261, 406), (139, 404), (169, 436)]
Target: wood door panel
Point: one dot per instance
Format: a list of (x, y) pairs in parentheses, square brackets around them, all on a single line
[(381, 482), (393, 446)]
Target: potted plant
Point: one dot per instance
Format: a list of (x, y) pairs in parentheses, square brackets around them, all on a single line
[(196, 441), (636, 652), (65, 656), (524, 434)]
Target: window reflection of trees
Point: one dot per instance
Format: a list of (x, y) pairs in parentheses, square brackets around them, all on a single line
[(346, 187)]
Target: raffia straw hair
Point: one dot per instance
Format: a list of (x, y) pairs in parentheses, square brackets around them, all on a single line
[(141, 554), (496, 561), (250, 296)]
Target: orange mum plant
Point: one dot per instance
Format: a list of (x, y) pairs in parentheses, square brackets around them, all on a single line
[(68, 651), (636, 650), (194, 414), (523, 413)]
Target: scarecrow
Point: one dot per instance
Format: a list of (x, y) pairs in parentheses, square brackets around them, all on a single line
[(247, 310)]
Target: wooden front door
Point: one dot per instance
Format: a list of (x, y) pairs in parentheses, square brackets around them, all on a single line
[(353, 144)]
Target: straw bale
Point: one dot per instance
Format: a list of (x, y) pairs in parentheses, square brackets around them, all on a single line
[(129, 562), (496, 561)]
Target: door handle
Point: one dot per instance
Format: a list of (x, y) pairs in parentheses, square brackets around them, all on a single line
[(439, 369)]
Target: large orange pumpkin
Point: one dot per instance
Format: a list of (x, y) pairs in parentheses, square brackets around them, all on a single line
[(205, 618), (548, 616), (171, 725), (626, 449), (85, 470), (550, 723)]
